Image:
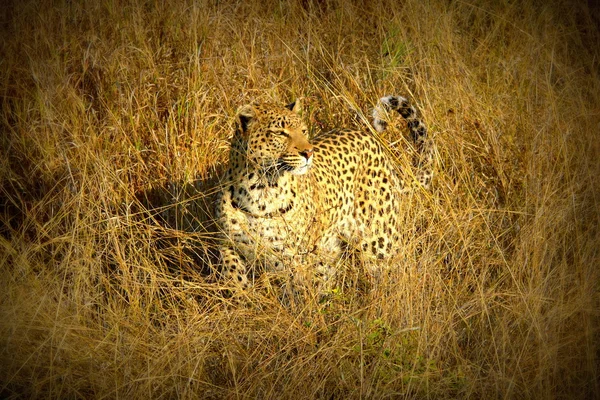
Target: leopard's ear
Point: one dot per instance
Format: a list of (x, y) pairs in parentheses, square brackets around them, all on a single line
[(296, 106), (244, 116)]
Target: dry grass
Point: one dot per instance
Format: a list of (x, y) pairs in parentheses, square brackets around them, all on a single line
[(115, 122)]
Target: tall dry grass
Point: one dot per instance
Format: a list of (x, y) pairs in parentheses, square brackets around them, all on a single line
[(115, 123)]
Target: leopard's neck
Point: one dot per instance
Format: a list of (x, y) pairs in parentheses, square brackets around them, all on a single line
[(262, 193)]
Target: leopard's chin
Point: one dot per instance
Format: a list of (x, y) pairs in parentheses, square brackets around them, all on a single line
[(300, 170)]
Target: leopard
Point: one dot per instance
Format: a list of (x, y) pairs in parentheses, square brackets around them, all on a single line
[(289, 204)]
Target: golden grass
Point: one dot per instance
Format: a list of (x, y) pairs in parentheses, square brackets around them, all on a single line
[(115, 123)]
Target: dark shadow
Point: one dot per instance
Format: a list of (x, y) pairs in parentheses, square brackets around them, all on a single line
[(181, 217)]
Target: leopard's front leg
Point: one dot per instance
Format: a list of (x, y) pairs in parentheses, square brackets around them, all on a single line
[(319, 268), (233, 267)]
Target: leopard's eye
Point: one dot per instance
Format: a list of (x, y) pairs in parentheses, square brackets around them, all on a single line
[(279, 132)]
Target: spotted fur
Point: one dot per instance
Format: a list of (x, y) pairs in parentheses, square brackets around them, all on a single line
[(288, 203)]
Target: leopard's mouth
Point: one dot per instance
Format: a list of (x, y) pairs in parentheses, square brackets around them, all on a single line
[(299, 167)]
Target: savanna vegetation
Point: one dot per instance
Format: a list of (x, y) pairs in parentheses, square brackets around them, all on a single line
[(115, 119)]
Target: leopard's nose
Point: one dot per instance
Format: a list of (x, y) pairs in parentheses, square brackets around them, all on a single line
[(307, 153)]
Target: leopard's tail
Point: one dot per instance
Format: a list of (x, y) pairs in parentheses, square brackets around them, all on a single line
[(418, 133)]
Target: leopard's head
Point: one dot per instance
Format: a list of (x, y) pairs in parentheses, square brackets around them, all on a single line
[(274, 138)]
